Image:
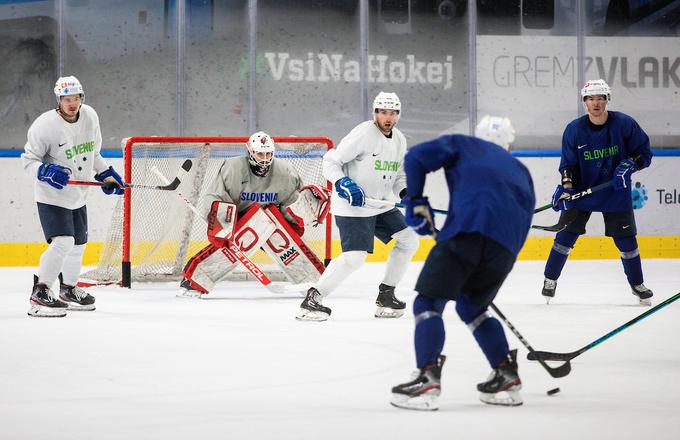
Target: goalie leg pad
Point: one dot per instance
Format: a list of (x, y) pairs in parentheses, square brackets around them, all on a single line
[(207, 267), (213, 263), (291, 253)]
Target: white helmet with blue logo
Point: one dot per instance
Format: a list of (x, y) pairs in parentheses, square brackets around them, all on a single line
[(68, 85)]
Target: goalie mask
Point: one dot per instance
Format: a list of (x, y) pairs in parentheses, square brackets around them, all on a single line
[(260, 152), (497, 130), (68, 85), (596, 87)]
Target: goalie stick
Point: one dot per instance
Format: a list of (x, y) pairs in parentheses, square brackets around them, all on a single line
[(232, 248), (570, 214), (169, 186), (542, 356), (556, 372)]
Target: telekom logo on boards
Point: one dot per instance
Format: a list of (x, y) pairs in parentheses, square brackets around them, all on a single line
[(334, 67)]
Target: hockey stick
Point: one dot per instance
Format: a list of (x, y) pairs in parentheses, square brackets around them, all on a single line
[(370, 201), (170, 186), (560, 371), (542, 356), (233, 250), (570, 214)]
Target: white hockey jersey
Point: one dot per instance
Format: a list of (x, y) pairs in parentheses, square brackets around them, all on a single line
[(236, 183), (76, 146), (374, 161)]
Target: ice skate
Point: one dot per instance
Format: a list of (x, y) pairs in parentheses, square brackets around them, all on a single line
[(548, 291), (503, 384), (75, 297), (311, 308), (388, 306), (186, 291), (643, 293), (43, 304), (422, 392)]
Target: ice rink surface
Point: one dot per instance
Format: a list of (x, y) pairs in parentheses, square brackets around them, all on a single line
[(148, 365)]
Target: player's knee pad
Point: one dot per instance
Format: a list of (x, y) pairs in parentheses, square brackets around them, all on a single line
[(564, 242), (406, 240), (62, 245), (353, 259), (469, 312), (628, 247), (426, 306)]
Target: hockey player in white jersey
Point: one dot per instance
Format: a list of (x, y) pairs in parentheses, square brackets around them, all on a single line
[(258, 202), (64, 144), (367, 163)]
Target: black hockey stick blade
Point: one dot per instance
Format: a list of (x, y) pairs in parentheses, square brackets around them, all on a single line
[(185, 168), (564, 221), (542, 356), (556, 372)]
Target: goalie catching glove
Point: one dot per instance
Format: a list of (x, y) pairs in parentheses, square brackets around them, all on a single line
[(311, 207)]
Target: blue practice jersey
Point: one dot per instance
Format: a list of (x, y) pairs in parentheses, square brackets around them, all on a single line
[(491, 192), (593, 155)]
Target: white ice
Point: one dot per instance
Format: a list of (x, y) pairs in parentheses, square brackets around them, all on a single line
[(148, 365)]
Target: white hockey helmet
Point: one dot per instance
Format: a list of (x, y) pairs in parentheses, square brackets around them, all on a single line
[(496, 129), (387, 100), (68, 85), (596, 87), (260, 142)]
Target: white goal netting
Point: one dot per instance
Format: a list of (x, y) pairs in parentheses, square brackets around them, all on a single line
[(153, 233)]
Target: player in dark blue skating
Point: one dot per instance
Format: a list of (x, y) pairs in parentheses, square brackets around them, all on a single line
[(599, 147), (490, 209)]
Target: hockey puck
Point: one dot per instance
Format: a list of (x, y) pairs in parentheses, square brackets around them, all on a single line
[(553, 391)]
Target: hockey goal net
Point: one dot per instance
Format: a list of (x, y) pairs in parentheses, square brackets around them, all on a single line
[(153, 233)]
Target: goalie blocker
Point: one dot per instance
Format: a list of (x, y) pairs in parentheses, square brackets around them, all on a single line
[(264, 228)]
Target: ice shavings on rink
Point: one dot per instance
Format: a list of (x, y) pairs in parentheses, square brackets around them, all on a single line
[(148, 365)]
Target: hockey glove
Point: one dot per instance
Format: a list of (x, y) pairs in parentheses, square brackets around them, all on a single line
[(113, 183), (560, 198), (419, 215), (54, 175), (350, 191), (623, 173)]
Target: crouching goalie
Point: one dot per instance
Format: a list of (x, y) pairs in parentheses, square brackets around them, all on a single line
[(257, 202)]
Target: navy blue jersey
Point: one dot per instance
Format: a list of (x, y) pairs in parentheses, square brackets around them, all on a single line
[(593, 155), (491, 192)]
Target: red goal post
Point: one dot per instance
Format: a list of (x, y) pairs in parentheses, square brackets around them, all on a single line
[(153, 233)]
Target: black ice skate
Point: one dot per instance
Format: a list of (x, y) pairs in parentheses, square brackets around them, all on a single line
[(503, 384), (311, 308), (548, 291), (643, 293), (187, 291), (422, 392), (75, 297), (388, 306), (43, 304)]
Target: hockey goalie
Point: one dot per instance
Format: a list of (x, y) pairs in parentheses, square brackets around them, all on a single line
[(257, 202)]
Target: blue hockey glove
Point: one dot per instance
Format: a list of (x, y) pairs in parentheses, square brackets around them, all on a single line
[(623, 173), (350, 191), (560, 198), (419, 215), (54, 175), (113, 183)]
